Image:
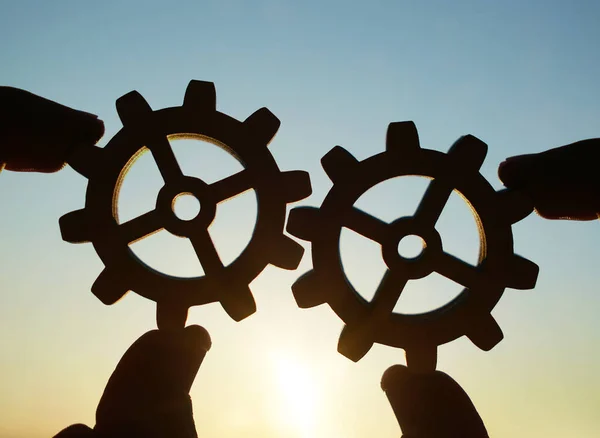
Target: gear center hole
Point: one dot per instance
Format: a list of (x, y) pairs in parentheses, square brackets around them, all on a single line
[(411, 247), (186, 206)]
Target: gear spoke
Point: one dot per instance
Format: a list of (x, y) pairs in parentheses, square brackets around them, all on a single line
[(358, 337), (231, 186), (433, 202), (459, 271), (141, 226), (388, 292), (366, 225), (206, 251), (374, 321), (147, 129), (165, 158)]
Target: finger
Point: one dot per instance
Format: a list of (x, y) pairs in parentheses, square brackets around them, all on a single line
[(37, 134), (431, 405), (76, 431), (567, 201), (561, 182), (148, 393), (572, 162)]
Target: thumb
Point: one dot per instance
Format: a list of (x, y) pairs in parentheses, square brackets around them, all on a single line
[(148, 393), (431, 405)]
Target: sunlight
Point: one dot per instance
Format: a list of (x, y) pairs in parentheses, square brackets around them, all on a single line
[(299, 394)]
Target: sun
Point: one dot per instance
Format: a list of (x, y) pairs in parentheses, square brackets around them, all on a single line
[(298, 396)]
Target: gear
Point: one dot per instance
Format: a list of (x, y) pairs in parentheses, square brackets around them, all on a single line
[(369, 322), (144, 128)]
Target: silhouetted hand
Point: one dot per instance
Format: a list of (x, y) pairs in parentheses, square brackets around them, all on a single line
[(148, 393), (38, 135), (431, 405), (564, 183)]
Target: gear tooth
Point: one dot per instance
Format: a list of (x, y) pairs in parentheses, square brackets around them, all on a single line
[(421, 359), (307, 291), (514, 206), (522, 273), (200, 96), (296, 185), (237, 301), (486, 333), (338, 163), (262, 125), (109, 287), (355, 342), (468, 152), (303, 222), (287, 253), (402, 137), (132, 107), (170, 317), (75, 227), (86, 160)]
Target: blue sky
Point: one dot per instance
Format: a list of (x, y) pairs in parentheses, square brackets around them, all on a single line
[(522, 76)]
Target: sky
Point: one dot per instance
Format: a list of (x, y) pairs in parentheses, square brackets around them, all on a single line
[(521, 76)]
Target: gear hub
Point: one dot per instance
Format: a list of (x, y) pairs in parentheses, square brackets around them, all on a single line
[(369, 322), (145, 129)]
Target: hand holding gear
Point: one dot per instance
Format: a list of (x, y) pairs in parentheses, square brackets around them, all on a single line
[(369, 322), (144, 128)]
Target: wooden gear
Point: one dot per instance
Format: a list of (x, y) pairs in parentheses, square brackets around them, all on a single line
[(469, 313), (144, 128)]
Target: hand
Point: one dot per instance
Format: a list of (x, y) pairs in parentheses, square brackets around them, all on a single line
[(38, 135), (431, 405), (564, 183), (148, 393)]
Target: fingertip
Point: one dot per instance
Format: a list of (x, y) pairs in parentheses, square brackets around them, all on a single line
[(75, 431), (191, 339), (97, 129), (393, 377), (398, 377), (502, 171), (84, 129), (512, 171), (197, 337)]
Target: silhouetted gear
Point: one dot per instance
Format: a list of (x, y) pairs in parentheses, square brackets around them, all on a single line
[(368, 322), (144, 128)]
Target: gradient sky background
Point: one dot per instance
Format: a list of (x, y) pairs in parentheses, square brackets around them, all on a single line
[(522, 76)]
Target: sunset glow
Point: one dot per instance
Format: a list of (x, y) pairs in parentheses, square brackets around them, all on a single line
[(523, 76)]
